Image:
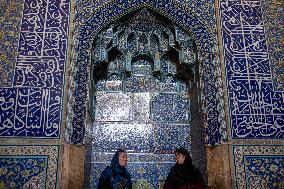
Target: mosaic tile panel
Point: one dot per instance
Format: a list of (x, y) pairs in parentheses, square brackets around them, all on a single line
[(144, 175), (169, 85), (201, 8), (217, 129), (113, 107), (132, 157), (256, 110), (170, 137), (273, 16), (42, 44), (22, 171), (33, 107), (28, 166), (30, 112), (141, 68), (137, 171), (30, 44), (141, 107), (34, 16), (264, 171), (133, 137), (113, 83), (258, 166), (169, 108), (141, 84), (10, 19), (39, 72)]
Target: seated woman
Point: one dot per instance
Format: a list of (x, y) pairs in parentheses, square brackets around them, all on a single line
[(116, 176), (183, 175)]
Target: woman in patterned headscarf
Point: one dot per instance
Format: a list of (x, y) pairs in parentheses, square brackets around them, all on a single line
[(183, 175), (116, 176)]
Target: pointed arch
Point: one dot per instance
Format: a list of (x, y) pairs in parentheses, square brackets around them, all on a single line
[(110, 11)]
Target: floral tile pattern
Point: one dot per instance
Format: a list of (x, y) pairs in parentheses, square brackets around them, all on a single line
[(264, 171), (29, 166), (258, 166), (273, 16), (10, 19)]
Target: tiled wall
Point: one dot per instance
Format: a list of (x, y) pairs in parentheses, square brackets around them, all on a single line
[(33, 43), (253, 56), (203, 34), (31, 101), (256, 107), (33, 53), (29, 166), (146, 109)]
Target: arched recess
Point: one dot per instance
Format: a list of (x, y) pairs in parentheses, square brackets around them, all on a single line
[(144, 67), (211, 97)]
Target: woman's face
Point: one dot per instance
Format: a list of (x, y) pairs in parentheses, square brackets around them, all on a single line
[(122, 159), (180, 158)]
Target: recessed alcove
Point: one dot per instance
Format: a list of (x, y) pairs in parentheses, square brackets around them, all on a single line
[(144, 96)]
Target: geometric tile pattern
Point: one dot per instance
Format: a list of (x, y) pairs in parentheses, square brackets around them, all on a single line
[(264, 171), (107, 12), (32, 108), (10, 19), (273, 16), (27, 166), (145, 138), (139, 114), (258, 166), (141, 84), (256, 111)]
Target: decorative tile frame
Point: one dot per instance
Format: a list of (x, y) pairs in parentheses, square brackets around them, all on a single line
[(50, 156), (256, 110), (106, 13), (264, 160)]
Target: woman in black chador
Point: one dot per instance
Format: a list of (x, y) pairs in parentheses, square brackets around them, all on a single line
[(116, 176), (183, 175)]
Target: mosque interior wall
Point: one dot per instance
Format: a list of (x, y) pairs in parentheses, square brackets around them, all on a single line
[(50, 138)]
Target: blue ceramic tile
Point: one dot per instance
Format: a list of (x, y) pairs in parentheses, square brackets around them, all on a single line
[(169, 108), (30, 44), (20, 170), (169, 137), (34, 16), (141, 107), (129, 136), (113, 106), (179, 15), (39, 72), (141, 84)]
